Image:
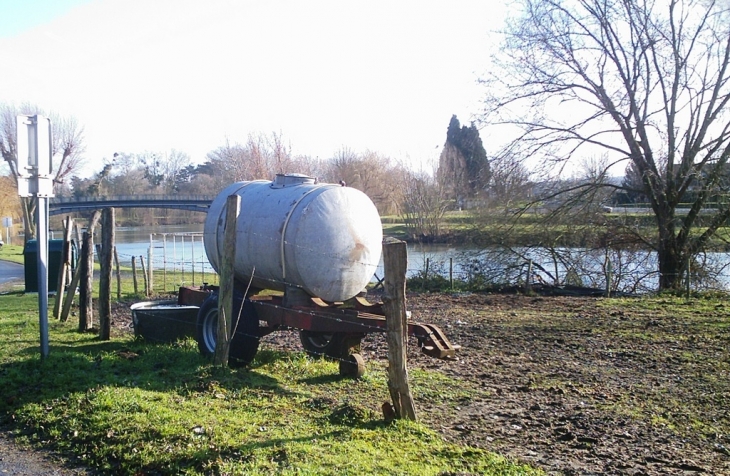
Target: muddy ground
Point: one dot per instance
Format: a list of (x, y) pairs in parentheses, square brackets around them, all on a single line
[(580, 386), (577, 385)]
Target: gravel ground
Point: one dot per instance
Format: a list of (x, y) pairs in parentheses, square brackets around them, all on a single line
[(21, 461)]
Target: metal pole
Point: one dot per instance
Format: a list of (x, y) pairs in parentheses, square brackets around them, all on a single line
[(202, 263), (192, 257), (174, 258), (182, 259), (164, 262), (42, 242), (451, 273)]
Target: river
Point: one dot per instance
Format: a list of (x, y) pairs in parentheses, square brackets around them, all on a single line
[(180, 247)]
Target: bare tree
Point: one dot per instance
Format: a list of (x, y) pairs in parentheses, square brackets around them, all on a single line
[(67, 149), (424, 203), (510, 181), (378, 176), (261, 157), (647, 82), (174, 166)]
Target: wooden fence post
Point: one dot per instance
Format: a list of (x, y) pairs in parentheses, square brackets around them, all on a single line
[(65, 266), (68, 301), (144, 275), (225, 298), (134, 274), (87, 270), (395, 262), (105, 279), (119, 274)]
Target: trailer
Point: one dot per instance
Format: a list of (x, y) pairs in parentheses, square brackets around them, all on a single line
[(316, 246), (330, 329)]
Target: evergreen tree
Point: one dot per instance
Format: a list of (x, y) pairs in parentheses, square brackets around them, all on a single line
[(463, 165)]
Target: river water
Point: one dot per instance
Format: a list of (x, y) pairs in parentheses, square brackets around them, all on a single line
[(180, 248)]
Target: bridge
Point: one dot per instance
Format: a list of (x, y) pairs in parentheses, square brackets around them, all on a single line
[(195, 203)]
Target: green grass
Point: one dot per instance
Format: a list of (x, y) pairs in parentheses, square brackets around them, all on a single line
[(127, 407), (12, 253)]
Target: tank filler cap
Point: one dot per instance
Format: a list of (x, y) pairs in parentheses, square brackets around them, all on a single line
[(290, 180)]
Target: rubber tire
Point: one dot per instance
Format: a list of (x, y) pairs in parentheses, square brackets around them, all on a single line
[(245, 342), (335, 345)]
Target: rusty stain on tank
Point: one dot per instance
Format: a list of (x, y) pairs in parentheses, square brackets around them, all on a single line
[(358, 252)]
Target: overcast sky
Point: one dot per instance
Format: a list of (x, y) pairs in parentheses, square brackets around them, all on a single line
[(153, 75)]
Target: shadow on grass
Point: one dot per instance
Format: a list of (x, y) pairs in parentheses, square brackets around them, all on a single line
[(84, 364), (74, 368)]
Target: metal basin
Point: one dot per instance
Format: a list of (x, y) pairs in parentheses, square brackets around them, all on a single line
[(164, 321)]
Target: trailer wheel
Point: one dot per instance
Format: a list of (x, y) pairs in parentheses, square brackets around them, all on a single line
[(334, 345), (352, 366), (245, 342)]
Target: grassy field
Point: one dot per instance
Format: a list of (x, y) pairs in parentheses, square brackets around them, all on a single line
[(497, 227), (127, 407)]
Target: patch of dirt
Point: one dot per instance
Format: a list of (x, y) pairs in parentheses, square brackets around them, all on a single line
[(17, 460), (573, 385)]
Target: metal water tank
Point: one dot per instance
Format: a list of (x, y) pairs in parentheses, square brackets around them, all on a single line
[(323, 238)]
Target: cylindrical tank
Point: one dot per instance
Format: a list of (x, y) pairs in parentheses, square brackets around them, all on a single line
[(323, 238)]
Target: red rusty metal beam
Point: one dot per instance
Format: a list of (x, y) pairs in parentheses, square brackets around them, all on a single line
[(355, 317)]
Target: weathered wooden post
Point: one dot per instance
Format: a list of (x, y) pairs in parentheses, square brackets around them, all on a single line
[(689, 276), (144, 275), (87, 270), (395, 262), (68, 301), (609, 277), (134, 274), (225, 299), (105, 279), (65, 266), (528, 278), (118, 273)]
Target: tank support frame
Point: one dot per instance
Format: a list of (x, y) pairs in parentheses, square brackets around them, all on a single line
[(356, 317)]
